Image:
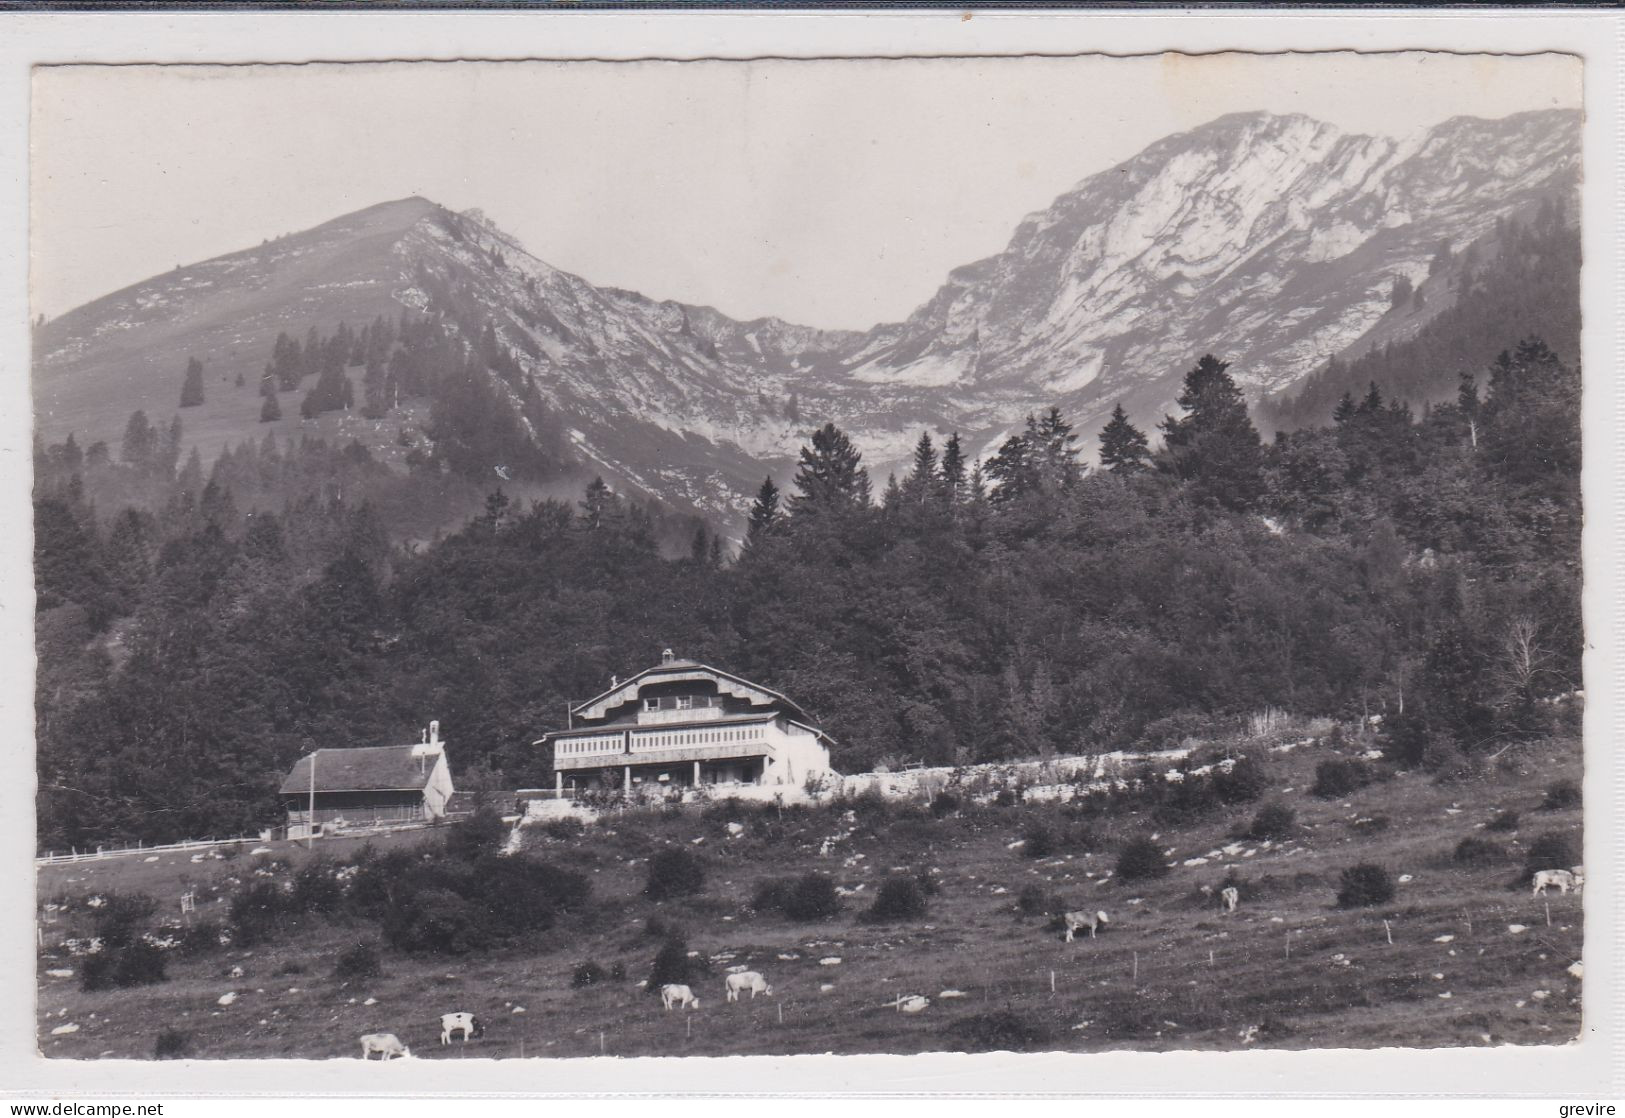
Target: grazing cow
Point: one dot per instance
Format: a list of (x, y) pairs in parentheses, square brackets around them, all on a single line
[(467, 1023), (1230, 895), (1563, 879), (680, 996), (387, 1045), (746, 980), (1078, 920)]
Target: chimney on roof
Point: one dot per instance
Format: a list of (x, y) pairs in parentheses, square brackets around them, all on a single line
[(667, 656), (430, 746), (434, 732)]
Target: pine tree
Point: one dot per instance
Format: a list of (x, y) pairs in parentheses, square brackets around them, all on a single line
[(953, 470), (599, 506), (1123, 446), (1345, 409), (1014, 469), (270, 410), (1214, 446), (1056, 448), (830, 477), (765, 515), (923, 478), (192, 386), (139, 450)]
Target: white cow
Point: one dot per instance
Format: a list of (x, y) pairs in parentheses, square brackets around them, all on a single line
[(673, 994), (1079, 920), (1563, 879), (1230, 895), (746, 980), (387, 1045), (467, 1023)]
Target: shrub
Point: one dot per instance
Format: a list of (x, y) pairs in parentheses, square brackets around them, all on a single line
[(673, 873), (1273, 821), (657, 927), (120, 917), (522, 895), (358, 962), (316, 889), (1038, 842), (1140, 860), (480, 834), (617, 971), (1001, 1030), (1035, 900), (171, 1045), (257, 912), (434, 921), (671, 965), (135, 964), (899, 898), (587, 974), (770, 895), (1505, 821), (1339, 778), (1363, 886), (1005, 798), (1551, 851), (811, 897), (200, 937), (1245, 782), (944, 803), (1477, 852), (563, 829), (1563, 794)]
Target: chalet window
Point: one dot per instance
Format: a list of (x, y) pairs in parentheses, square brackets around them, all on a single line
[(684, 702), (651, 704)]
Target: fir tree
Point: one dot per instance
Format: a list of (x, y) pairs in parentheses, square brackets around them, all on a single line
[(139, 449), (192, 386), (765, 515), (1214, 446), (1123, 446), (953, 470), (923, 478), (270, 410), (830, 477)]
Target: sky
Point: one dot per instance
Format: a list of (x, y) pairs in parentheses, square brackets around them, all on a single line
[(832, 193)]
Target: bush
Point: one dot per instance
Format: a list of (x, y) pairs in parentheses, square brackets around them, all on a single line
[(900, 898), (1563, 794), (1005, 798), (673, 873), (1339, 778), (1038, 842), (1363, 886), (1035, 900), (119, 919), (1002, 1030), (1273, 821), (480, 834), (563, 829), (1140, 860), (316, 889), (1505, 821), (587, 974), (1550, 851), (1477, 852), (522, 895), (944, 803), (811, 897), (671, 965), (170, 1045), (435, 921), (358, 962), (135, 964), (257, 913), (1245, 782), (200, 937)]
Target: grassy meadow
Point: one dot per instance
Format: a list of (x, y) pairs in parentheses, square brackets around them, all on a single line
[(1462, 955)]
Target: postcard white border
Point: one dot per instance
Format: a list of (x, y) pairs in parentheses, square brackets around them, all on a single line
[(1594, 1066)]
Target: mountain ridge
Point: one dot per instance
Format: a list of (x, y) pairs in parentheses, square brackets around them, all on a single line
[(1271, 239)]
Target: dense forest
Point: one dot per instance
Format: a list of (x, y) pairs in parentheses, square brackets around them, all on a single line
[(1527, 274), (197, 632)]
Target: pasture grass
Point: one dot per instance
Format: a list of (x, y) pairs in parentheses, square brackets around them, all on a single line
[(1289, 969)]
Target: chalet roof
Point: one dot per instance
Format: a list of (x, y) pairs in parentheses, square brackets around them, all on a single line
[(382, 768), (629, 687)]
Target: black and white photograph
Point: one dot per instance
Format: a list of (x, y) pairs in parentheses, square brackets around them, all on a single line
[(543, 560)]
